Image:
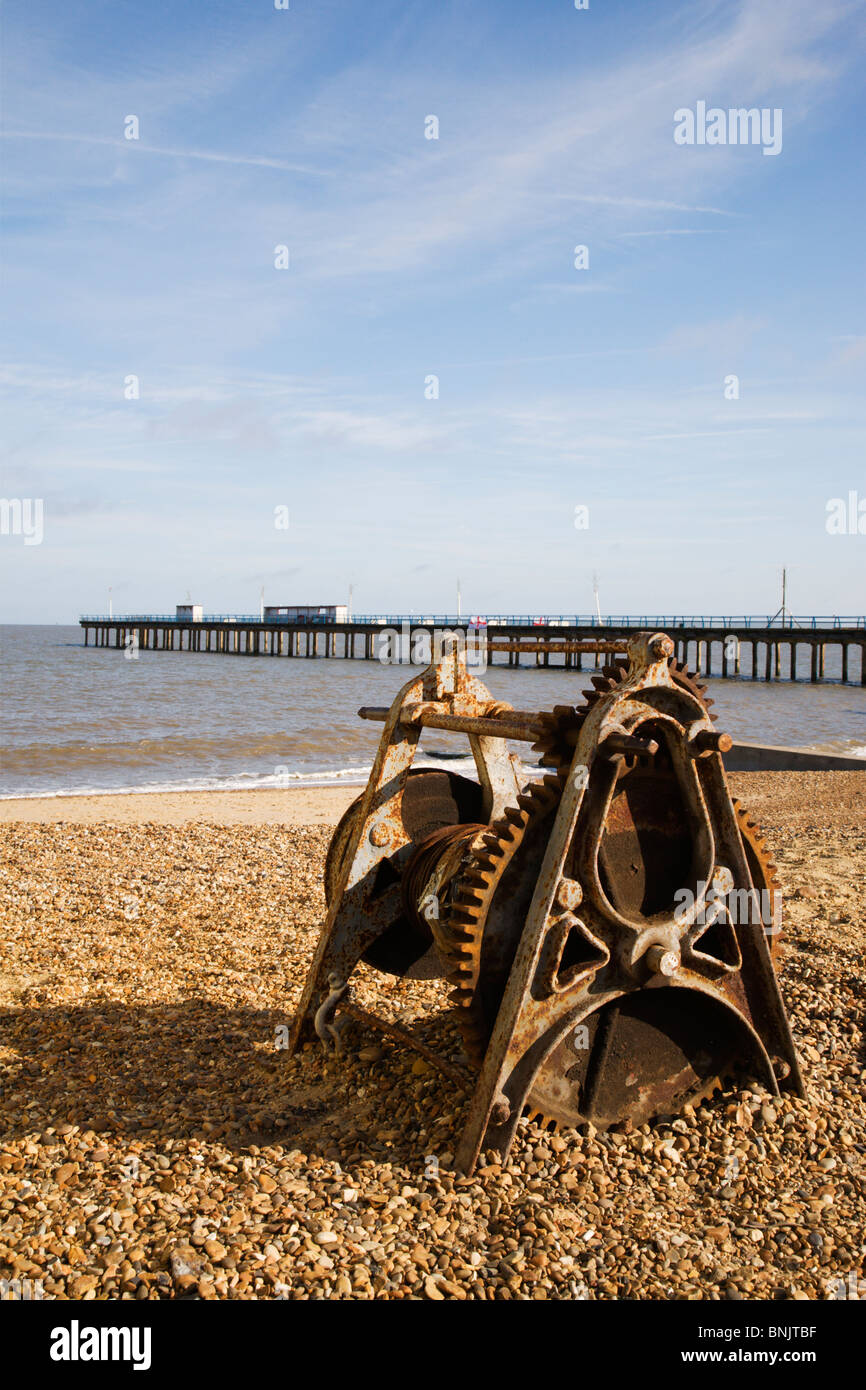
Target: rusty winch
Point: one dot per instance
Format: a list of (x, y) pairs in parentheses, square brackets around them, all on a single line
[(610, 929)]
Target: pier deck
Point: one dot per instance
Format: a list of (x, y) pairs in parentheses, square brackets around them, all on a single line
[(752, 647)]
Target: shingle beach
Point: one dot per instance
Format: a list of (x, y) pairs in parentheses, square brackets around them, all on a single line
[(158, 1142)]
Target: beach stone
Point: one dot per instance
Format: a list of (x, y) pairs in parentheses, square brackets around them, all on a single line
[(83, 1284), (262, 1155), (186, 1263)]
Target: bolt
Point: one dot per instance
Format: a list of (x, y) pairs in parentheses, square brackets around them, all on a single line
[(501, 1110), (661, 646), (379, 835), (711, 741), (663, 961), (616, 743), (781, 1068), (569, 894)]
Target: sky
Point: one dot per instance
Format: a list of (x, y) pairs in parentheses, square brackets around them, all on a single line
[(431, 389)]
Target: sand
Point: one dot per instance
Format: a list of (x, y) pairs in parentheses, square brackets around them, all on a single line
[(294, 806)]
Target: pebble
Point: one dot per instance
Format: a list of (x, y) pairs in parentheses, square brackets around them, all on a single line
[(158, 1142)]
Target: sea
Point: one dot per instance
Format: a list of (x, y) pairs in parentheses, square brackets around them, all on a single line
[(76, 719)]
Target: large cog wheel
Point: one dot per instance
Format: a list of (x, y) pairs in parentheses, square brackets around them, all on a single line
[(474, 940)]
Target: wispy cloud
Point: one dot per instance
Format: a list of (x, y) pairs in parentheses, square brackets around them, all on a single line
[(673, 231), (137, 149), (644, 204)]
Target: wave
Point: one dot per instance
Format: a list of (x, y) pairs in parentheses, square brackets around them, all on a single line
[(846, 747), (252, 781), (244, 781)]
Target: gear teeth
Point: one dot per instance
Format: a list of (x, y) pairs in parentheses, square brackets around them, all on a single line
[(692, 682), (475, 878), (554, 782), (491, 841), (754, 840), (459, 935), (538, 1117), (707, 1091)]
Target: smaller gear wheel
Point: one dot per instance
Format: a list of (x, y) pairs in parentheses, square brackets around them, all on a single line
[(765, 877), (459, 931)]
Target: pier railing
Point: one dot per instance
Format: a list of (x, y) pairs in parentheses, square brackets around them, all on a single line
[(630, 620)]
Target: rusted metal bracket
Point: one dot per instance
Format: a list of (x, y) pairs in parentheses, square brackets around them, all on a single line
[(359, 914)]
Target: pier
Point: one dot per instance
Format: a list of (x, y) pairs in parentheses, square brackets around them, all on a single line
[(749, 647)]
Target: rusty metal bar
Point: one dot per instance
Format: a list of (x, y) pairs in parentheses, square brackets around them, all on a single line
[(512, 724), (464, 1078)]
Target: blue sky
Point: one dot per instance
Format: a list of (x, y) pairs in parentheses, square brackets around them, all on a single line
[(410, 257)]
